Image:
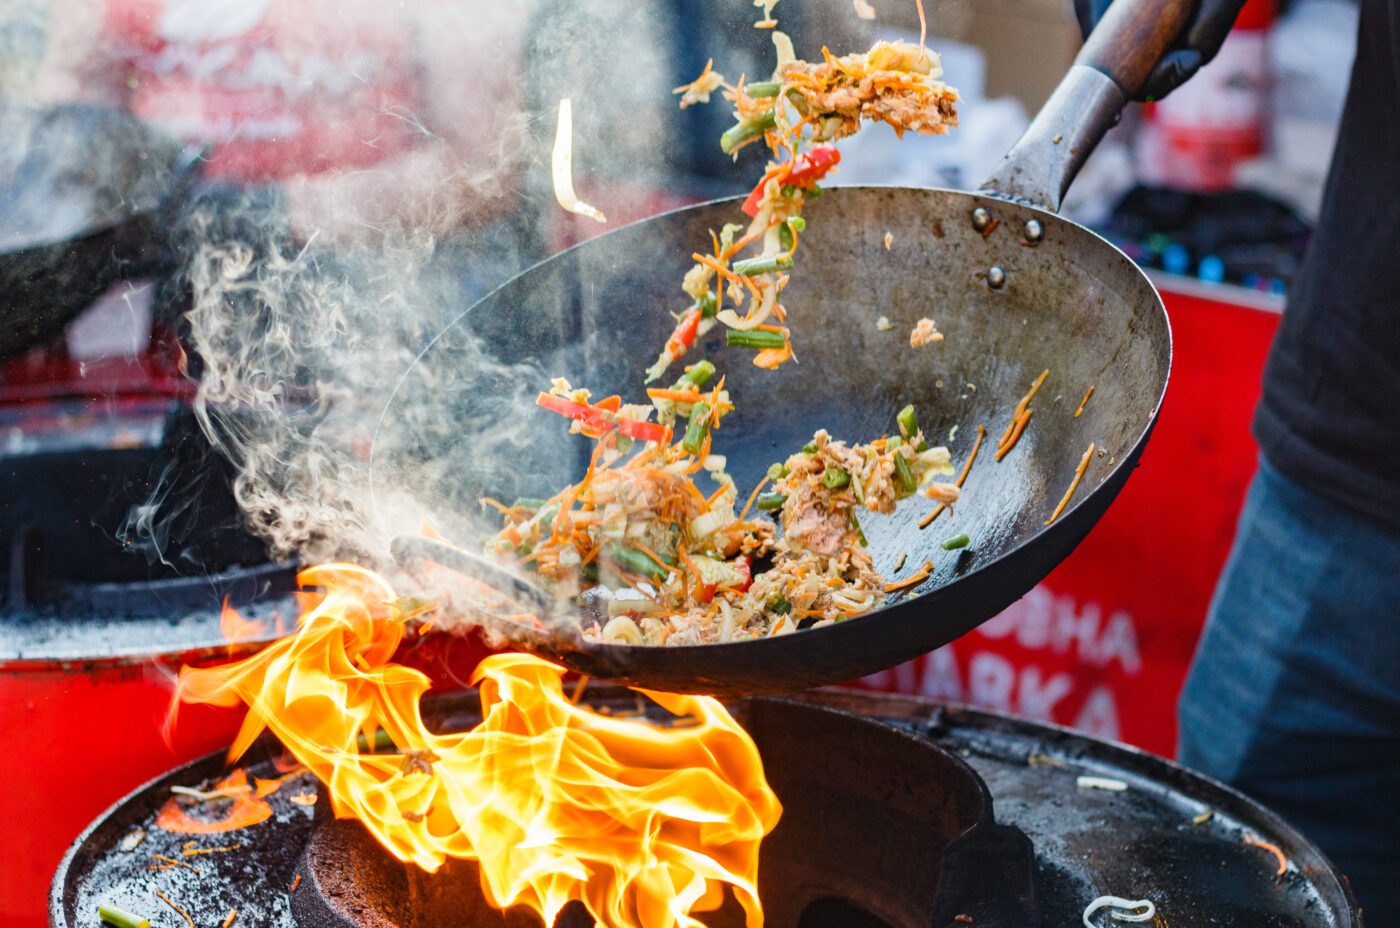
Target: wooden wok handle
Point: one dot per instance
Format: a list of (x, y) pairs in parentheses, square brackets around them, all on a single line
[(1109, 71), (1132, 37)]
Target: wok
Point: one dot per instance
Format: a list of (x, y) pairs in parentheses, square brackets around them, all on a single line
[(1015, 288), (87, 202)]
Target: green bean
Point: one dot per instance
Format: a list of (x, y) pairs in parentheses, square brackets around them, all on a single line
[(909, 426), (771, 502), (763, 89), (707, 305), (778, 471), (860, 532), (754, 338), (751, 267), (120, 917), (697, 430), (904, 482), (956, 542), (834, 478), (742, 132), (699, 373), (634, 561), (780, 605)]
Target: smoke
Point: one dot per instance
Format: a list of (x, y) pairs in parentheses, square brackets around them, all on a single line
[(305, 295)]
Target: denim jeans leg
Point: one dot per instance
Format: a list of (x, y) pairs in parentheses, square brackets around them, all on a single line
[(1294, 695)]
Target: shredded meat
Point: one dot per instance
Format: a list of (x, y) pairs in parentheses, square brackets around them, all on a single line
[(924, 333)]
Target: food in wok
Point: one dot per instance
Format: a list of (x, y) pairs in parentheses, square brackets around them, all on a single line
[(689, 567), (739, 283), (680, 565)]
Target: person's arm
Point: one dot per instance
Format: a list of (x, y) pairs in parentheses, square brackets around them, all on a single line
[(78, 67), (1198, 43), (465, 170)]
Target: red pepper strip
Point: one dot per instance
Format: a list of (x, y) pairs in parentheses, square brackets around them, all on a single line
[(601, 421), (803, 171), (745, 569), (684, 335), (812, 165)]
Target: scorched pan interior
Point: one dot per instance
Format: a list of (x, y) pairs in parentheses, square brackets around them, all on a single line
[(1015, 288)]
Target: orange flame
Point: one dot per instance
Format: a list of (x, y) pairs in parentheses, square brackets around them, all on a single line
[(247, 809), (643, 824), (235, 628)]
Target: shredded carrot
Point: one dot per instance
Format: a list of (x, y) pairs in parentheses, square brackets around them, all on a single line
[(171, 863), (296, 881), (188, 849), (1021, 408), (967, 466), (713, 497), (228, 922), (502, 508), (914, 579), (752, 496), (656, 558), (1074, 484), (1272, 849), (675, 396), (1018, 428), (166, 899), (1084, 402)]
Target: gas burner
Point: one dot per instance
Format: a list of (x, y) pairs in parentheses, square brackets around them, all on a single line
[(887, 822)]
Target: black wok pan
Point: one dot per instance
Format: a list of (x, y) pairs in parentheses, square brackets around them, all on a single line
[(86, 198), (1015, 288)]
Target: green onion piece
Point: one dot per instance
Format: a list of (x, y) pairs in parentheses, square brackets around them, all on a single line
[(697, 430), (904, 482), (860, 532), (785, 237), (797, 223), (778, 471), (529, 502), (634, 561), (834, 478), (113, 915), (755, 338), (740, 133), (771, 502), (780, 605), (956, 542), (764, 89), (697, 376), (753, 266), (909, 426), (893, 442), (380, 744), (707, 305), (809, 448)]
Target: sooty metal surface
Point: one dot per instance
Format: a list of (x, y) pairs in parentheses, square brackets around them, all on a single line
[(463, 425), (1141, 842)]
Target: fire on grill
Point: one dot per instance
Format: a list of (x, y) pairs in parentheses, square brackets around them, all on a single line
[(642, 823)]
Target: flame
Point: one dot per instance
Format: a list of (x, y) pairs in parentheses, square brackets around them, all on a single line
[(247, 809), (235, 628), (643, 824)]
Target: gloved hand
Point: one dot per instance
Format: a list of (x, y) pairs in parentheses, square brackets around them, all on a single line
[(1197, 44)]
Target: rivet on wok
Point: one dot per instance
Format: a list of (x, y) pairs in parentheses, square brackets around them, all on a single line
[(981, 219), (996, 277), (1034, 230)]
